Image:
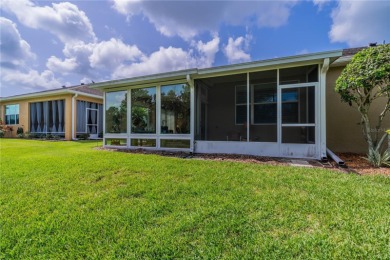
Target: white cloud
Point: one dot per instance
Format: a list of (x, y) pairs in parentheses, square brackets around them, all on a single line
[(234, 50), (91, 60), (171, 59), (14, 51), (16, 74), (208, 51), (189, 18), (112, 53), (321, 3), (360, 22), (62, 66), (163, 60), (64, 20), (32, 79)]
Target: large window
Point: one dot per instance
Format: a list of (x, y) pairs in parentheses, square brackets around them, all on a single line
[(175, 109), (116, 112), (12, 114), (47, 117), (143, 110)]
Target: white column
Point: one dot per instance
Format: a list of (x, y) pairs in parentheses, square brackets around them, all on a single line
[(279, 111), (158, 115), (322, 112), (248, 103), (192, 112)]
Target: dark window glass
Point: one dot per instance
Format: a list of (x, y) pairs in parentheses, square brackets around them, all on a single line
[(298, 135), (143, 110), (295, 75), (143, 142), (298, 105), (175, 143)]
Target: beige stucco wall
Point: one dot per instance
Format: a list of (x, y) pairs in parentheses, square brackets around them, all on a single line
[(24, 113), (344, 133)]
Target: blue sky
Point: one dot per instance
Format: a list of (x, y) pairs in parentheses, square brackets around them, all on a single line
[(48, 44)]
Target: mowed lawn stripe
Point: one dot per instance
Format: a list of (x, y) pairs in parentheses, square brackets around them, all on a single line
[(67, 200)]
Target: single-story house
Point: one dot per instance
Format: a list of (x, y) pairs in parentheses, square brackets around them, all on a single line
[(282, 107), (66, 112)]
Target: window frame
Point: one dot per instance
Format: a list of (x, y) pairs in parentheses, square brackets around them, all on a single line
[(5, 114)]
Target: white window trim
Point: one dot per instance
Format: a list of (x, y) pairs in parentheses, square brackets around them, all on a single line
[(5, 114)]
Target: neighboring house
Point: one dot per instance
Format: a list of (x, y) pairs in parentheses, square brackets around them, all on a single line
[(283, 107), (66, 112)]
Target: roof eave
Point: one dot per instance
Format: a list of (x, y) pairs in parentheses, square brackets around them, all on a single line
[(317, 57), (48, 94), (150, 79)]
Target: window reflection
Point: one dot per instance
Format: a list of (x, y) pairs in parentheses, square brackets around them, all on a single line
[(175, 109), (116, 111), (143, 110)]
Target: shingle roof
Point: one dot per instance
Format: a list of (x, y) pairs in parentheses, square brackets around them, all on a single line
[(86, 89), (352, 51)]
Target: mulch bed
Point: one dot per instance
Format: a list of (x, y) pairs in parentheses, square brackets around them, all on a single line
[(355, 162), (360, 165)]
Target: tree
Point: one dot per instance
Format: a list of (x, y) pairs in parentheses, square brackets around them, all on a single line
[(366, 79)]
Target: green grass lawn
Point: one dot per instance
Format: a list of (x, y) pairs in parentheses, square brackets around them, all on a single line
[(65, 200)]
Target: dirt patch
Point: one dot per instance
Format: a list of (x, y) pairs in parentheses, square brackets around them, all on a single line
[(355, 162)]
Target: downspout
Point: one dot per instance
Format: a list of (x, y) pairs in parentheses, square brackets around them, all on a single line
[(73, 116), (324, 70), (192, 112)]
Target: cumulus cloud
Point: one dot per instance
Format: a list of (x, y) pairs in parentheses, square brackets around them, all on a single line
[(14, 51), (163, 60), (91, 60), (360, 22), (63, 66), (171, 59), (64, 20), (207, 52), (16, 57), (120, 60), (189, 18), (31, 80), (234, 50), (112, 53)]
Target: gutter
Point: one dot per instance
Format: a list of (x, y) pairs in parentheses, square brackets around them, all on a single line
[(73, 116), (48, 93)]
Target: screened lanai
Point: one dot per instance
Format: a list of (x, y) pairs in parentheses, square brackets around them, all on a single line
[(260, 112), (269, 108)]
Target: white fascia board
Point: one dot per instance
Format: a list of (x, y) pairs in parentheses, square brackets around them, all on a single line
[(278, 62), (342, 61), (48, 94), (80, 93), (35, 95), (155, 78)]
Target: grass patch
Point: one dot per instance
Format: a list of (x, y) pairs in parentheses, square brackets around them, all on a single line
[(62, 200)]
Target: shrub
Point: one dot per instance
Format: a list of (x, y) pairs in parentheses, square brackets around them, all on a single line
[(19, 131), (378, 159), (84, 136), (20, 135), (32, 135), (1, 133)]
